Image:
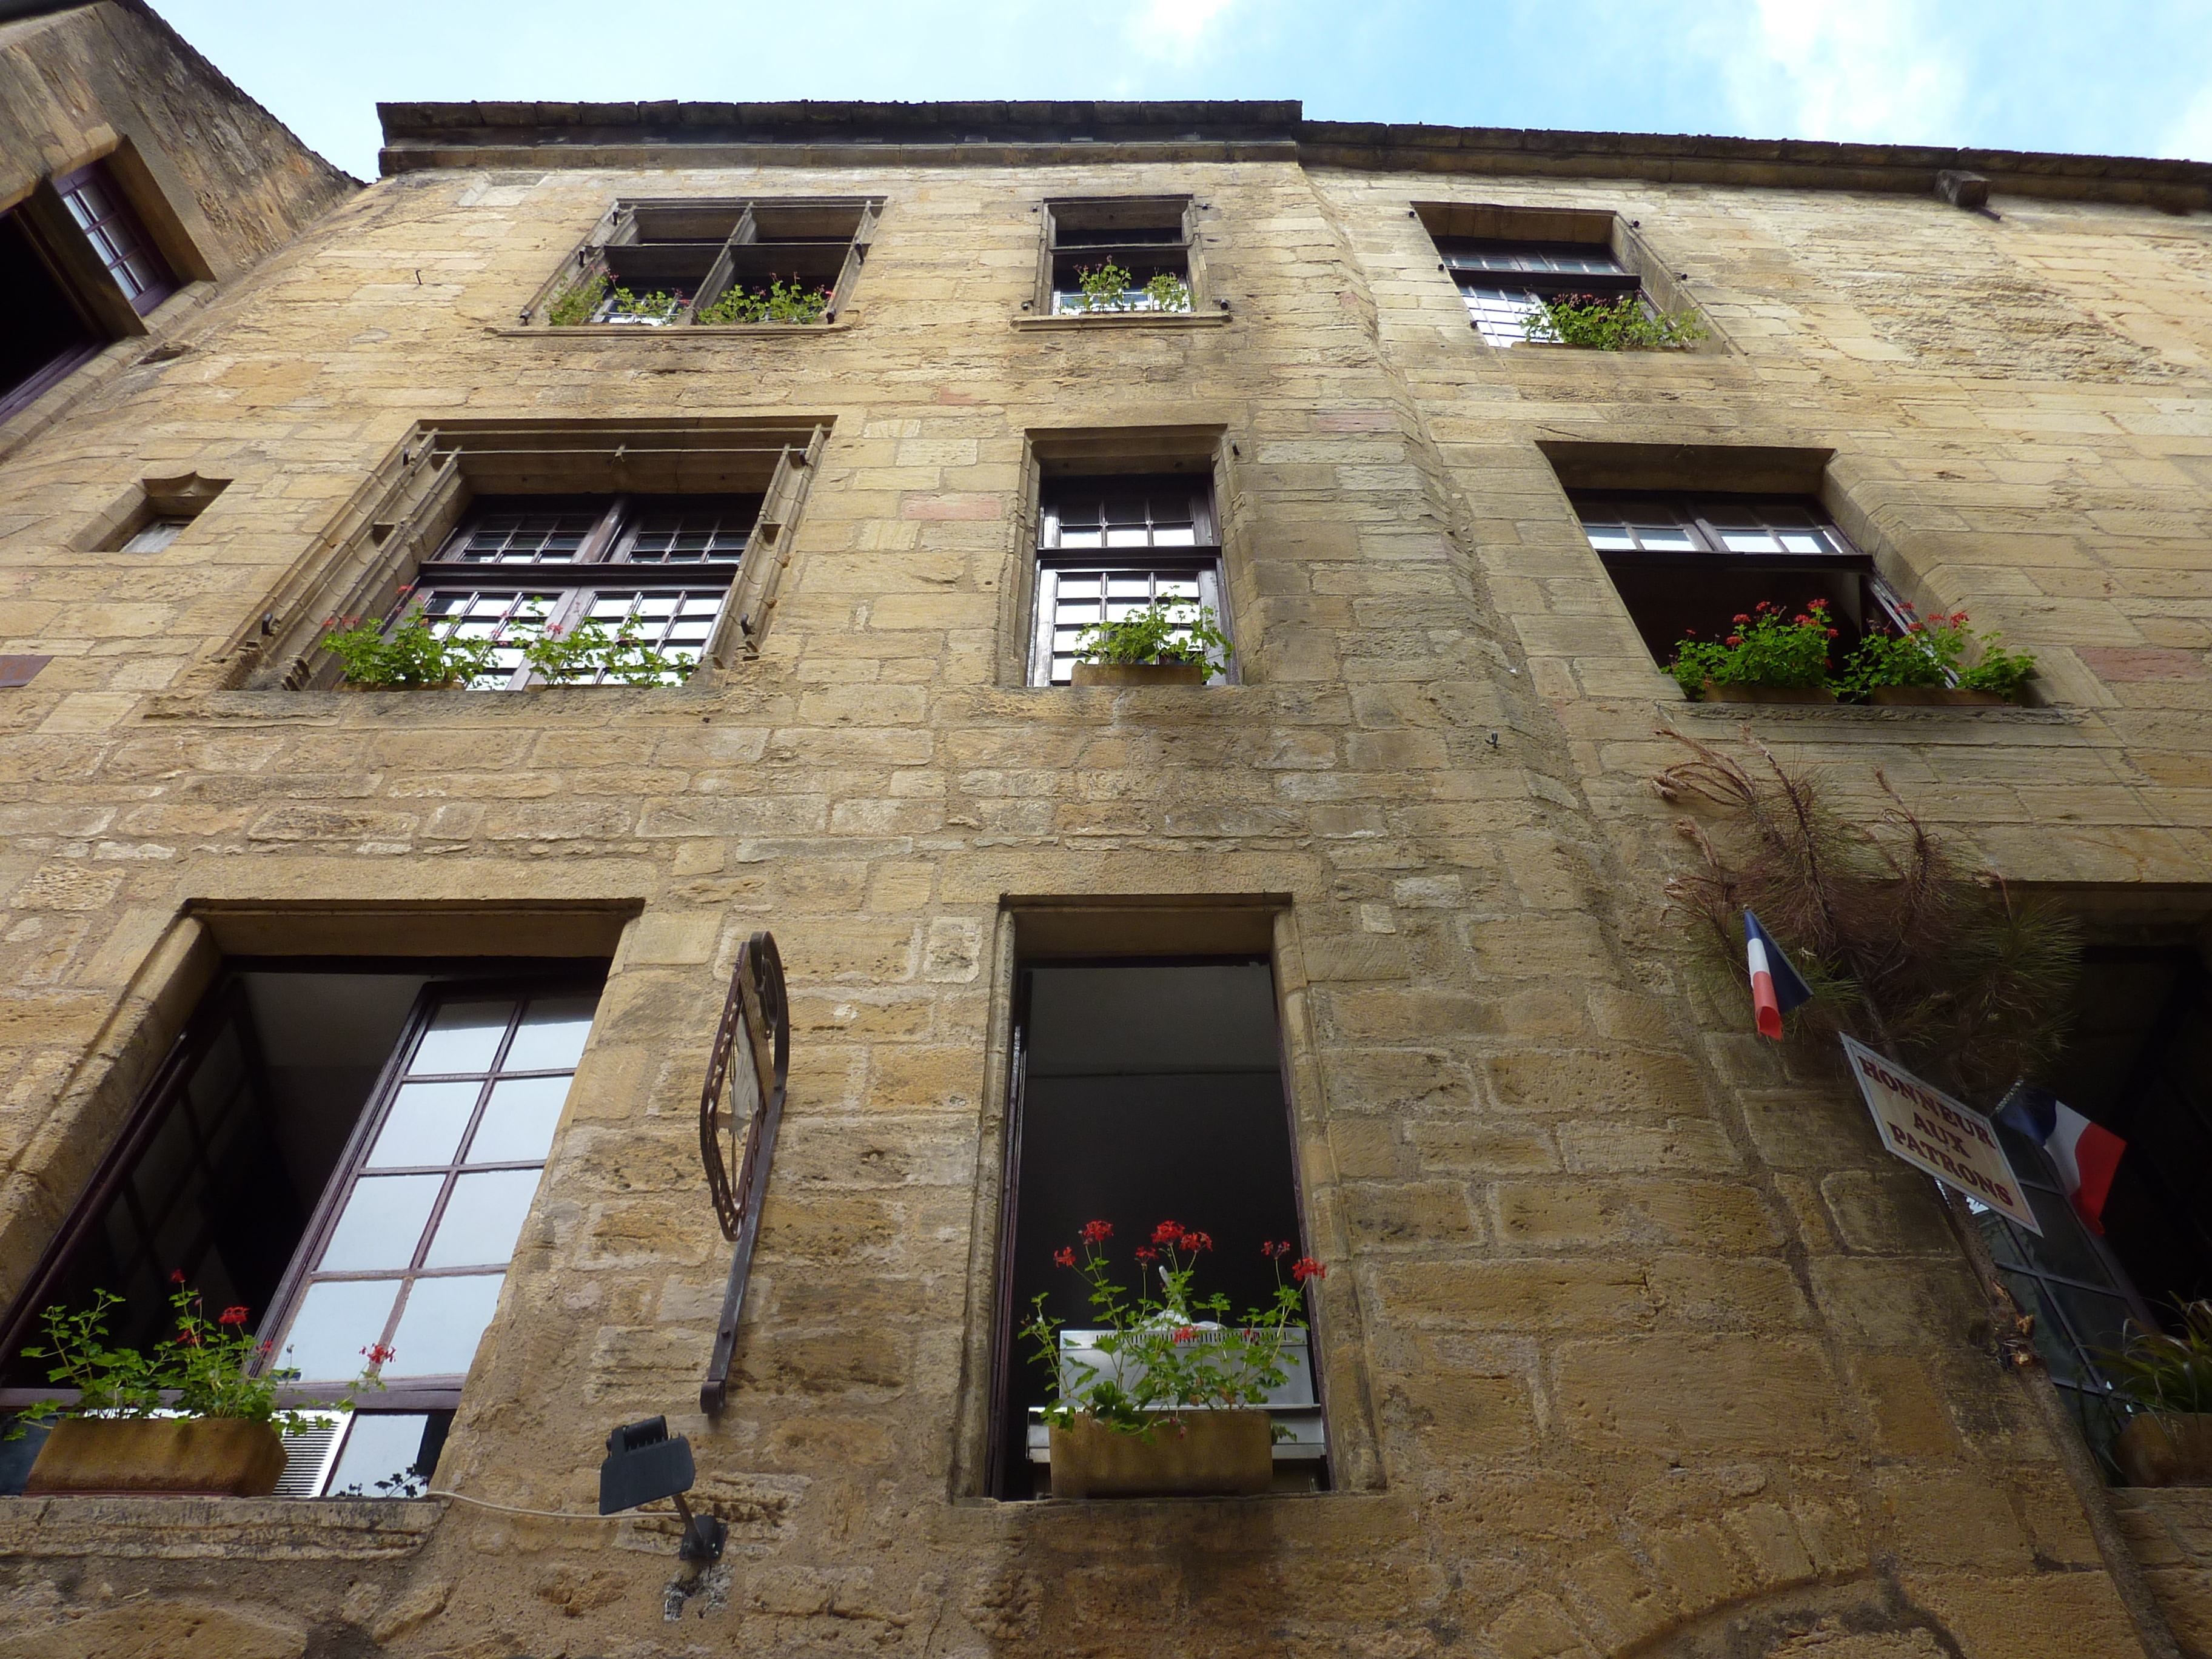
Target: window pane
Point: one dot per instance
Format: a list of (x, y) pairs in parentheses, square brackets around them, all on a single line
[(156, 536), (443, 1321), (380, 1457), (483, 1219), (338, 1319), (381, 1224), (518, 1123), (425, 1125), (463, 1037), (552, 1036)]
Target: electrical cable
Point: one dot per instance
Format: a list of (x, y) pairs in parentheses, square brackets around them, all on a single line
[(512, 1509)]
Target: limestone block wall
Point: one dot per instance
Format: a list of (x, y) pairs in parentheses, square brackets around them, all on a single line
[(1637, 1342)]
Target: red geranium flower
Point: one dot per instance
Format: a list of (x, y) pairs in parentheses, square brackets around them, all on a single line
[(1167, 1233), (1186, 1334), (233, 1315), (177, 1277), (1147, 1253), (1306, 1267), (1198, 1241), (377, 1353), (1064, 1255), (1097, 1232)]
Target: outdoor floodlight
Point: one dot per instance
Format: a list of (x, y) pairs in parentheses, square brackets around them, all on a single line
[(644, 1462)]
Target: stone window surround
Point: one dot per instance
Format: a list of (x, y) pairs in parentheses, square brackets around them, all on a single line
[(1184, 210), (1108, 450), (402, 512), (1104, 928)]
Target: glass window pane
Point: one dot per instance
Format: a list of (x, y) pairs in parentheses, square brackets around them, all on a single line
[(483, 1219), (338, 1319), (552, 1036), (380, 1457), (381, 1224), (464, 1036), (442, 1324), (425, 1125), (518, 1124)]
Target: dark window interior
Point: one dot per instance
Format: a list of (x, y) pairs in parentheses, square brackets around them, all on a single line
[(46, 336), (1146, 238), (1687, 566), (1146, 1093)]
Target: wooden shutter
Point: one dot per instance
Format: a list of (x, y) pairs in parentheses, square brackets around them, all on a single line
[(746, 1079), (581, 265), (745, 618), (856, 256)]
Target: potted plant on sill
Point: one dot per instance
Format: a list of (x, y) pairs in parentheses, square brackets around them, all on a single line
[(1922, 666), (1178, 1414), (192, 1418), (2168, 1380), (1770, 656), (1163, 644), (1596, 323), (779, 302), (587, 652), (408, 656), (1107, 288)]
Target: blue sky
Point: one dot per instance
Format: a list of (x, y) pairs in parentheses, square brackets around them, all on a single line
[(2127, 77)]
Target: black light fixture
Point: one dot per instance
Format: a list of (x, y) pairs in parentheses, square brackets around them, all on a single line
[(645, 1463)]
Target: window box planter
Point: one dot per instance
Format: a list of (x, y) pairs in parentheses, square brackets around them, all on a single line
[(1209, 1454), (1714, 691), (194, 1456), (2166, 1448), (1138, 673), (1931, 696)]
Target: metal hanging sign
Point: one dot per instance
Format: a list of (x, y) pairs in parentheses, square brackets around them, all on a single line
[(739, 1112), (1930, 1131)]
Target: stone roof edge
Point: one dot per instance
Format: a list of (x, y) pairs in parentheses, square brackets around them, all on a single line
[(447, 135)]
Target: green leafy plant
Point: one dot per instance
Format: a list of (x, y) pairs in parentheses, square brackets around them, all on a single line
[(1168, 292), (408, 655), (1165, 1354), (1928, 653), (2163, 1373), (577, 303), (208, 1369), (657, 307), (1767, 647), (1626, 324), (1903, 944), (1105, 287), (779, 302), (1168, 630), (589, 650)]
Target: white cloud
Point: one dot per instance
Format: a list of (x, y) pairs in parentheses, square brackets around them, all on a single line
[(1876, 70), (1173, 29), (2191, 137)]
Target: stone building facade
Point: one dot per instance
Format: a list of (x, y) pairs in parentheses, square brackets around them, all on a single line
[(1633, 1339)]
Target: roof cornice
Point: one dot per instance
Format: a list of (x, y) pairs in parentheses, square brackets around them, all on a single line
[(419, 135)]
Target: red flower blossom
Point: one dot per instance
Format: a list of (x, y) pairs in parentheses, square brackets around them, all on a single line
[(376, 1353), (188, 1338), (1741, 618), (1168, 1233), (1186, 1334), (1281, 1249), (1064, 1255), (1147, 1253), (1735, 639), (233, 1315), (177, 1277), (1097, 1232), (1306, 1267), (1198, 1241)]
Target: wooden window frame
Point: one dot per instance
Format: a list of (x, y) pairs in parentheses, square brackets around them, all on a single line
[(117, 235), (1064, 220), (1200, 561)]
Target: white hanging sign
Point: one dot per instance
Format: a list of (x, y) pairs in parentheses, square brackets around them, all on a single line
[(1929, 1130)]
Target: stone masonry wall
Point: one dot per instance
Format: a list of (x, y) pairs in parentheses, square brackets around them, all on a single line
[(1659, 1353)]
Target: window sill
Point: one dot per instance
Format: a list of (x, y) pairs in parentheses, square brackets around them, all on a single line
[(198, 1528), (1129, 320), (1867, 714), (604, 331)]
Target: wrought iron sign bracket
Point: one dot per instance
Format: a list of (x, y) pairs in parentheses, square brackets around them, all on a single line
[(743, 1105)]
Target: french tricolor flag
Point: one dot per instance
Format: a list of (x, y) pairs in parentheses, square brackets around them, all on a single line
[(2086, 1154), (1775, 987)]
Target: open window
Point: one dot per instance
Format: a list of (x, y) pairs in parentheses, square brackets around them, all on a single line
[(1111, 544), (661, 264), (1150, 240), (1509, 263), (2139, 1063), (1688, 564), (349, 1154), (1145, 1090)]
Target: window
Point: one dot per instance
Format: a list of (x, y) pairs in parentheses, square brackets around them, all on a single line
[(1691, 563), (1148, 237), (77, 269), (664, 564), (1505, 283), (349, 1154), (155, 535), (1144, 1092), (683, 262), (1108, 546), (119, 241)]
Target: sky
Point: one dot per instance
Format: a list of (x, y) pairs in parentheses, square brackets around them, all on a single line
[(2129, 77)]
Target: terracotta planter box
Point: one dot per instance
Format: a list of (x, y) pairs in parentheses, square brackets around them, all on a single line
[(1715, 692), (2166, 1448), (198, 1456), (1140, 674), (1214, 1454), (1930, 696)]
